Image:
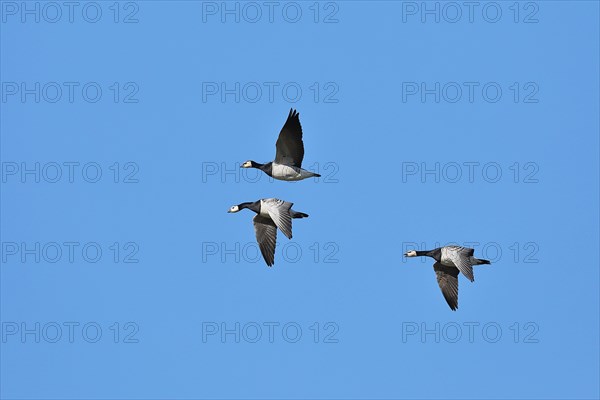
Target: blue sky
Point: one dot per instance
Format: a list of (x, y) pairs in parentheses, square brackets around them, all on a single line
[(122, 128)]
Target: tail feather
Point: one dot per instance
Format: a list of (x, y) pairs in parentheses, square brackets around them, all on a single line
[(296, 214), (477, 261)]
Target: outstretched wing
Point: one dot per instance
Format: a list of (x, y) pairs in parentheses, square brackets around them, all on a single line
[(289, 146), (279, 211), (266, 236), (461, 257), (447, 278)]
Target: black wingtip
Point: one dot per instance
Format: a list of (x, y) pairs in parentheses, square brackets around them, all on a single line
[(268, 258), (452, 304), (293, 113)]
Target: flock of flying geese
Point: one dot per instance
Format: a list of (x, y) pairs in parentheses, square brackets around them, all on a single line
[(273, 214)]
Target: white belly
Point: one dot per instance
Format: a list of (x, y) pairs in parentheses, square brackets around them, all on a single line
[(264, 209), (445, 259), (285, 172)]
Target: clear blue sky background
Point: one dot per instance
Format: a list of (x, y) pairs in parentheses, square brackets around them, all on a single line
[(176, 216)]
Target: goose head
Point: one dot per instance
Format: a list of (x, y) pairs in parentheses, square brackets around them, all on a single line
[(248, 164), (234, 209), (410, 253)]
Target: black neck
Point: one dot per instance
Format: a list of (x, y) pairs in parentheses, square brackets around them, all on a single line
[(435, 253), (254, 206), (267, 168)]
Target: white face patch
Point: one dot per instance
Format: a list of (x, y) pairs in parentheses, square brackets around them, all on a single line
[(247, 164), (411, 253), (234, 209)]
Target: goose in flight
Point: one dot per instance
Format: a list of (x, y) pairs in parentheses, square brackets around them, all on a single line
[(270, 215), (288, 155), (450, 260)]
